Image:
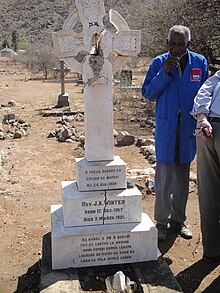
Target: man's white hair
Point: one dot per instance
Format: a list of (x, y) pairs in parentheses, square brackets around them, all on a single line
[(180, 29)]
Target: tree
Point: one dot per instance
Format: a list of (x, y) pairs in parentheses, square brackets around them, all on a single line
[(41, 59), (5, 43), (157, 17), (203, 17), (14, 40), (24, 43)]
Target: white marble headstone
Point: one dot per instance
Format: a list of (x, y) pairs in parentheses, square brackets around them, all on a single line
[(100, 221)]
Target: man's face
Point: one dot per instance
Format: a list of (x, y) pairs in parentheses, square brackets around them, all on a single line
[(177, 45)]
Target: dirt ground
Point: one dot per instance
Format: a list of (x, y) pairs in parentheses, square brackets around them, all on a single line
[(30, 182)]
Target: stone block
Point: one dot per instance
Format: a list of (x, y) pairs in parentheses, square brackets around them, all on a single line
[(100, 207), (98, 107), (124, 139), (63, 100), (101, 175), (150, 276), (103, 244), (9, 117)]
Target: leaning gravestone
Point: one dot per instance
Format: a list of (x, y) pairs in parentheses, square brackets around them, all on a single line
[(100, 220)]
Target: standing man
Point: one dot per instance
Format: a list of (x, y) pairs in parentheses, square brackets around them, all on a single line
[(173, 80), (207, 111)]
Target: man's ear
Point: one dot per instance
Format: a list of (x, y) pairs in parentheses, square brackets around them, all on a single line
[(188, 44), (167, 42)]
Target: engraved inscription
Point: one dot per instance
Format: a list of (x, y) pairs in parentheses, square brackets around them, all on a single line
[(103, 210), (106, 248), (103, 178)]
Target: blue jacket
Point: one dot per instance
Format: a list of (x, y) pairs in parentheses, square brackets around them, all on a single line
[(173, 95)]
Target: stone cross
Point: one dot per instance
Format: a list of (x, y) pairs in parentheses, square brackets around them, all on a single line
[(104, 53), (62, 70)]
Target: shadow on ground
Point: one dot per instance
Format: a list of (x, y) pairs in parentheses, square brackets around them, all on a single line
[(191, 278), (165, 246), (29, 282)]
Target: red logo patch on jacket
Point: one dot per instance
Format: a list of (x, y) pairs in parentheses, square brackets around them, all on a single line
[(196, 74)]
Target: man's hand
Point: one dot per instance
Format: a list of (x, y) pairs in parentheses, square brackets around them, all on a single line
[(170, 62), (204, 128)]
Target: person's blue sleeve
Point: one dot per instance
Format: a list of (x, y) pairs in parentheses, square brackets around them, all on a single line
[(155, 81)]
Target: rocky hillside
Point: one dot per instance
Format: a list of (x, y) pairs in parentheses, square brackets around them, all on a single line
[(36, 20)]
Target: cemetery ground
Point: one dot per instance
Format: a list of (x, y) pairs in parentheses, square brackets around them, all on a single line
[(33, 167)]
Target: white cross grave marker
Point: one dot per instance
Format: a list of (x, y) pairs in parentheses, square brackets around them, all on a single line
[(62, 70), (105, 53)]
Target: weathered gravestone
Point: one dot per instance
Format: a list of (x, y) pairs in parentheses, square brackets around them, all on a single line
[(100, 220), (126, 78), (62, 70)]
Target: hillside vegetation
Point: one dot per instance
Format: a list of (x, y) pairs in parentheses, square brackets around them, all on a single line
[(34, 21)]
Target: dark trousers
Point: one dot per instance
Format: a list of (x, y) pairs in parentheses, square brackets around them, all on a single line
[(171, 188), (208, 164)]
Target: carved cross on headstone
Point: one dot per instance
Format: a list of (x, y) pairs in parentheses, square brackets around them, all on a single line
[(105, 52)]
